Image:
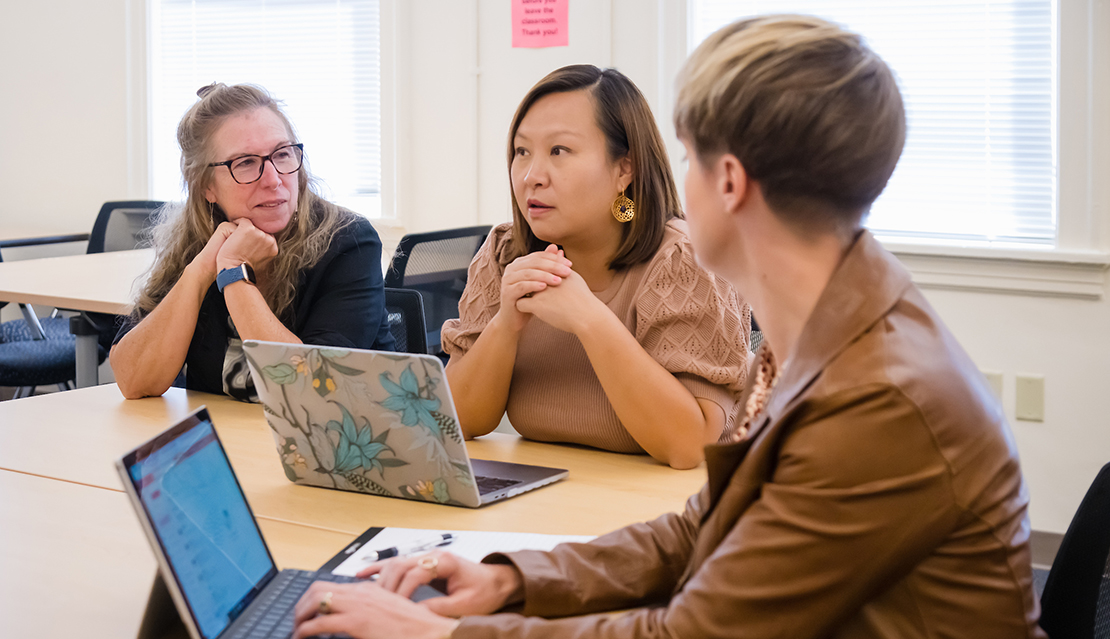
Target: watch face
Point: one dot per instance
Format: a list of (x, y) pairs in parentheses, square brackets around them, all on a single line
[(249, 273)]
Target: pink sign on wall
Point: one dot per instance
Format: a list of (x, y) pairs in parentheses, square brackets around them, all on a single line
[(540, 23)]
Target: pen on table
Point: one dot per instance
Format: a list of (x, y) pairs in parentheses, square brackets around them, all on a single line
[(401, 550)]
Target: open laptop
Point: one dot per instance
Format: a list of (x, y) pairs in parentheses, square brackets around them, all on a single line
[(376, 422), (211, 556)]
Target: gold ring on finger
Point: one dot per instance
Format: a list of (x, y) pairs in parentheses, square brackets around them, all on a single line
[(325, 604), (429, 563)]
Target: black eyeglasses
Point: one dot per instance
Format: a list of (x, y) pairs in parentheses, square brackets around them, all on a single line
[(244, 170)]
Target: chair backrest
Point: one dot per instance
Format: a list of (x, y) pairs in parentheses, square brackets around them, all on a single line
[(405, 312), (435, 264), (1076, 599), (756, 336), (121, 226)]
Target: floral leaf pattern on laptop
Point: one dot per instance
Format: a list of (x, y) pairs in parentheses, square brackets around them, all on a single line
[(428, 490), (382, 431), (358, 447), (418, 404), (292, 459)]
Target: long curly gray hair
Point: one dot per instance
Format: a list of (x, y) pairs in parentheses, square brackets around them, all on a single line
[(181, 231)]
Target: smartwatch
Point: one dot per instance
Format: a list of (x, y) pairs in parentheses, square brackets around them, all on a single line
[(232, 275)]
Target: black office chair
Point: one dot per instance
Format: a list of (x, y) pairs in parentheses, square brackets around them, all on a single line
[(33, 352), (42, 351), (405, 312), (1076, 599), (435, 264), (120, 226)]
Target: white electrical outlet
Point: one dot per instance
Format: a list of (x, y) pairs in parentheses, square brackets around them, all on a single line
[(1029, 394)]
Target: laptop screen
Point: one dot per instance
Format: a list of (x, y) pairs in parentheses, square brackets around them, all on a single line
[(202, 521)]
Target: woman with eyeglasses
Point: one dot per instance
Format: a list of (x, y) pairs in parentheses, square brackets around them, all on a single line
[(254, 253)]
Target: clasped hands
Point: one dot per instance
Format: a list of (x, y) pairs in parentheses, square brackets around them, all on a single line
[(544, 285), (234, 243), (382, 608)]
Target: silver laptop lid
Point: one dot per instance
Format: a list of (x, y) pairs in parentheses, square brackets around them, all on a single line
[(211, 553), (368, 421)]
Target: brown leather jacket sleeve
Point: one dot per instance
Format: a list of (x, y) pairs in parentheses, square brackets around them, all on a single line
[(629, 567), (857, 495)]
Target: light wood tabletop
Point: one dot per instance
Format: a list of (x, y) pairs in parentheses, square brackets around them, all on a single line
[(76, 436), (97, 282), (70, 541), (75, 562)]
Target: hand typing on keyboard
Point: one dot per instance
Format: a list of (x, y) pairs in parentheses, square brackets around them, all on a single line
[(382, 608), (364, 611)]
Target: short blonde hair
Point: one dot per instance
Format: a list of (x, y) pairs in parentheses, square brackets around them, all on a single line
[(813, 115)]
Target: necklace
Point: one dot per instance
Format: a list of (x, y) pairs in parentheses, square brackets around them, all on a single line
[(767, 374)]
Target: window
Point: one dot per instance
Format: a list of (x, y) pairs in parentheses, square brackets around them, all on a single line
[(979, 82), (320, 57)]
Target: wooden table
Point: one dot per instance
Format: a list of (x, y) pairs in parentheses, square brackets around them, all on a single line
[(73, 559), (97, 282), (75, 563), (76, 436)]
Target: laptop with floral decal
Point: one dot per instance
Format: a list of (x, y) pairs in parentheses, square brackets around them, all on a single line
[(376, 422)]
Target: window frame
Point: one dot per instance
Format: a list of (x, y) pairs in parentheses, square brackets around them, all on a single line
[(1077, 266), (650, 46), (392, 19)]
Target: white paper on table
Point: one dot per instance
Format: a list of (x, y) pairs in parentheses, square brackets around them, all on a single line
[(468, 544)]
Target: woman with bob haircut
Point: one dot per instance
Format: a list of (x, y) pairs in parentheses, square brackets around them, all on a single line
[(254, 253), (872, 490), (587, 318)]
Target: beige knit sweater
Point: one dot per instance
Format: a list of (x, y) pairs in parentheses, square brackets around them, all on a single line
[(691, 322)]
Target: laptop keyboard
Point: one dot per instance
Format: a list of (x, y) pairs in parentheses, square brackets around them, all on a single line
[(488, 485), (271, 614)]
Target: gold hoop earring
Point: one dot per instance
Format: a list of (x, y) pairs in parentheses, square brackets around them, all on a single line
[(624, 209)]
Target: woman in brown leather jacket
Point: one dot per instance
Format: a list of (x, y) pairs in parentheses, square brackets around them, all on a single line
[(874, 490)]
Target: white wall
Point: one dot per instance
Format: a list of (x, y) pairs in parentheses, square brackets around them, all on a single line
[(74, 87), (455, 109), (64, 112), (1067, 341)]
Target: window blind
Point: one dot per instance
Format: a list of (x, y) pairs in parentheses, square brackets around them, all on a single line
[(979, 84), (321, 58)]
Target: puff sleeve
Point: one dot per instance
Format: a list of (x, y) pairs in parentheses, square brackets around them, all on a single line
[(696, 326), (482, 298)]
